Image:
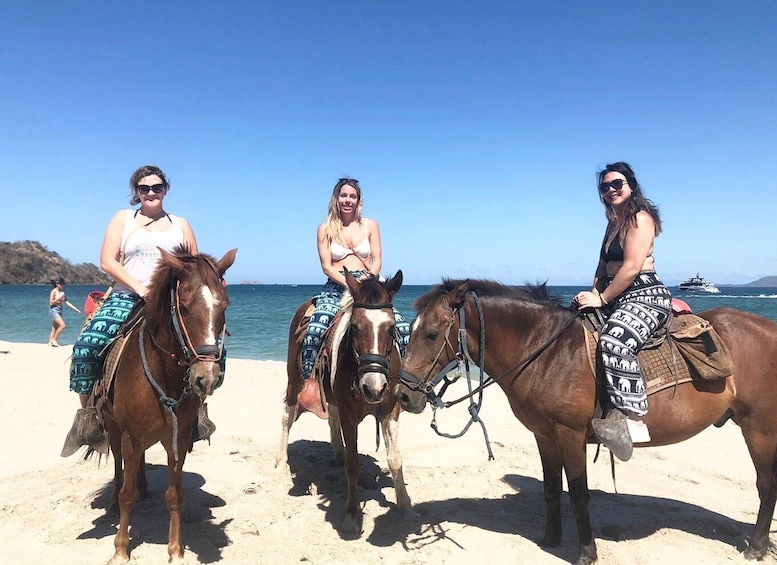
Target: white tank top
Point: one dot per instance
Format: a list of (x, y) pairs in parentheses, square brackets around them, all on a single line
[(141, 253)]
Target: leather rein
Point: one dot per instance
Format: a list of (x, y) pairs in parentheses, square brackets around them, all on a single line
[(460, 361)]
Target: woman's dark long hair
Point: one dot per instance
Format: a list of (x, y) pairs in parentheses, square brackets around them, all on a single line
[(636, 203)]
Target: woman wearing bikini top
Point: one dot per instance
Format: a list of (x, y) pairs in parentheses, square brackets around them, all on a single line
[(346, 240), (633, 300)]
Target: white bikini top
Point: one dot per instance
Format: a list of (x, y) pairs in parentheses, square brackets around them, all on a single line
[(141, 253), (340, 252)]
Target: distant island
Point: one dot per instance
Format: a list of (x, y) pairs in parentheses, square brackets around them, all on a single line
[(30, 262), (762, 282)]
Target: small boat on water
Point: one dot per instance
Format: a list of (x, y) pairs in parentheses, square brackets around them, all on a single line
[(699, 284)]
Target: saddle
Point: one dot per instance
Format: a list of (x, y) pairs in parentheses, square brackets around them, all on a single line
[(111, 354), (702, 353)]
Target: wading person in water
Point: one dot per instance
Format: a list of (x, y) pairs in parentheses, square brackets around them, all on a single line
[(345, 240), (58, 299), (633, 300)]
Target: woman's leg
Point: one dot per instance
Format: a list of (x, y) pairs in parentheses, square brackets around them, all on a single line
[(59, 327), (327, 307), (403, 332), (86, 361)]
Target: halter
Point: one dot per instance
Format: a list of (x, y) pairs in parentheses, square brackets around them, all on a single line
[(192, 354), (462, 358), (370, 362)]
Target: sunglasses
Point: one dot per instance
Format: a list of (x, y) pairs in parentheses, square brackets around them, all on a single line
[(617, 184), (156, 189)]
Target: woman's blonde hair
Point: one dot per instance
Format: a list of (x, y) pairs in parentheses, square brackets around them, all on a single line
[(334, 223)]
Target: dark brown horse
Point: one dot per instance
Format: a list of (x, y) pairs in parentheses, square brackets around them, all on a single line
[(170, 363), (364, 381), (535, 351)]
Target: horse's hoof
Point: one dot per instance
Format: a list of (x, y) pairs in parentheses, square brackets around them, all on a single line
[(587, 554), (351, 525), (754, 553)]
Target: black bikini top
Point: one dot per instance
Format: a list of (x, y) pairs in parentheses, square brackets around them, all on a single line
[(612, 253)]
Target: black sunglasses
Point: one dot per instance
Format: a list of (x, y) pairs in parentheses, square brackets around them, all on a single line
[(156, 189), (617, 184)]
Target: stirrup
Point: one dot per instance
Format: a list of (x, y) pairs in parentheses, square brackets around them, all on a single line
[(613, 432), (86, 430), (204, 427)]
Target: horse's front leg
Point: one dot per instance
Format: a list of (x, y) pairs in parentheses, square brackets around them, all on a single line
[(390, 426), (353, 465), (573, 451), (174, 494), (128, 494), (552, 486)]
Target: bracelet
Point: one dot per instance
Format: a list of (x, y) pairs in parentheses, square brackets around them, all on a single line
[(604, 302)]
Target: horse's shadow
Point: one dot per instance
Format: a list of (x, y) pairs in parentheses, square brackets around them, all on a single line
[(312, 466), (150, 518), (522, 512)]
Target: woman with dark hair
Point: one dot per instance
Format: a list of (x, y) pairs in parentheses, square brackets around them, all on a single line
[(129, 255), (633, 300), (346, 240), (58, 299)]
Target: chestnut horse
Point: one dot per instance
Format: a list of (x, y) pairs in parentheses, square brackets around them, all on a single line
[(366, 374), (170, 363), (535, 351)]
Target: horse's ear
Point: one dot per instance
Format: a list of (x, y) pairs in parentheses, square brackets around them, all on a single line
[(172, 261), (458, 295), (393, 285), (350, 281), (226, 261)]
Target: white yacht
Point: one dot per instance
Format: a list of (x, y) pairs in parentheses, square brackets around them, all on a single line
[(699, 284)]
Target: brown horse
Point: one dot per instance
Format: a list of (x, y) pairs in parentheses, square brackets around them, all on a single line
[(364, 381), (170, 363), (535, 351)]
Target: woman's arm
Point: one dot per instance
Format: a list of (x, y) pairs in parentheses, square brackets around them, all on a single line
[(76, 310), (188, 236), (109, 255), (325, 256), (376, 249), (637, 245)]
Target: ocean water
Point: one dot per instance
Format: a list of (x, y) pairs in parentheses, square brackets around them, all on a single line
[(259, 315)]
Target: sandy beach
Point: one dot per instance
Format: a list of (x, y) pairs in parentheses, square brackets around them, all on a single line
[(695, 502)]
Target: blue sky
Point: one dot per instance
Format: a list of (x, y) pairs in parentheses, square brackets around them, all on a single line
[(475, 128)]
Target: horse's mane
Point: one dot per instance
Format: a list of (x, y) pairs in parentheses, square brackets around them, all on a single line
[(535, 293), (158, 301)]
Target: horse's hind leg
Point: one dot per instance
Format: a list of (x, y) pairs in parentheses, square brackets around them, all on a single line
[(763, 450), (336, 436), (142, 480), (390, 427), (289, 416)]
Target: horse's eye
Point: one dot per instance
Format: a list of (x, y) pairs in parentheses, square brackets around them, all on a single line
[(432, 335), (184, 309)]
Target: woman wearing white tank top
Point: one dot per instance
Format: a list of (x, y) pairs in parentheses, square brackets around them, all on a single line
[(129, 256)]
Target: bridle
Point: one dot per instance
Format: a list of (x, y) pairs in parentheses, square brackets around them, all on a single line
[(370, 362), (460, 360), (207, 353)]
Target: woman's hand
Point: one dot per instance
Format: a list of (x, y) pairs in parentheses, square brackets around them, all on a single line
[(587, 299)]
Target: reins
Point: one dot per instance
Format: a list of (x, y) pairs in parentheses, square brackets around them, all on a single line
[(463, 357)]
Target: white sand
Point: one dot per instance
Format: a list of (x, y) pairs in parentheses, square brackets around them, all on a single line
[(695, 502)]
